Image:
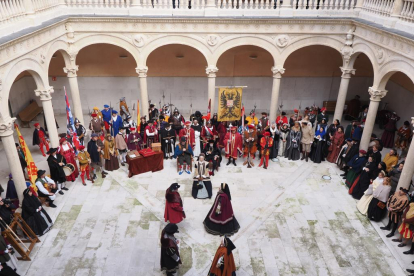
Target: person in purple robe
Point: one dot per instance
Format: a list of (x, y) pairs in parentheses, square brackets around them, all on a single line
[(134, 141)]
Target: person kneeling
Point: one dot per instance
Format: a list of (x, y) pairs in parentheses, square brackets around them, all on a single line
[(46, 187), (184, 153)]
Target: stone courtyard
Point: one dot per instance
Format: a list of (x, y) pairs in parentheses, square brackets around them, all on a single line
[(292, 223)]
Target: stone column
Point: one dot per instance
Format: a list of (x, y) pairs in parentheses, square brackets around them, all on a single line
[(74, 91), (6, 134), (408, 170), (142, 74), (343, 90), (277, 75), (211, 75), (376, 96), (46, 98)]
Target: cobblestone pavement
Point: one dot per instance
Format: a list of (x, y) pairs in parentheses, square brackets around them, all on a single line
[(292, 223)]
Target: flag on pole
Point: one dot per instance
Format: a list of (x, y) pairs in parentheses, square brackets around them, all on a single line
[(31, 166), (138, 118), (208, 116), (70, 124)]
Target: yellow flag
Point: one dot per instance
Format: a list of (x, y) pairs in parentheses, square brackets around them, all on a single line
[(31, 166), (230, 103)]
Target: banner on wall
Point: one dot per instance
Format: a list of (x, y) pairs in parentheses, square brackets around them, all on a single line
[(230, 104)]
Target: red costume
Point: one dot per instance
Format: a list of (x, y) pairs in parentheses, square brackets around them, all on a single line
[(208, 133), (148, 138), (189, 134), (221, 130), (336, 145), (68, 152), (40, 138), (266, 143), (283, 118), (233, 143), (174, 212)]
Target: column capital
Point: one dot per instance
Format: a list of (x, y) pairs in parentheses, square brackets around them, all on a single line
[(7, 127), (45, 94), (142, 71), (211, 71), (347, 72), (71, 71), (277, 72), (376, 95)]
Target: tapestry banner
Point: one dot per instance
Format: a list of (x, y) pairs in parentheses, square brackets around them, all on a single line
[(230, 104)]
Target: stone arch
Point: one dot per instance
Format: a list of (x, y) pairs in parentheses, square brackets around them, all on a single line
[(389, 69), (108, 39), (26, 64), (360, 48), (309, 41), (233, 42), (62, 47), (174, 39)]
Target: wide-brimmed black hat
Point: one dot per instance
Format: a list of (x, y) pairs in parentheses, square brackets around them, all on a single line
[(40, 173), (174, 186), (171, 228), (51, 150)]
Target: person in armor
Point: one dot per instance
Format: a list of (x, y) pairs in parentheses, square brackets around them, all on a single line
[(168, 141), (250, 142), (166, 111), (177, 120), (153, 112), (128, 123), (123, 108), (208, 132), (80, 131)]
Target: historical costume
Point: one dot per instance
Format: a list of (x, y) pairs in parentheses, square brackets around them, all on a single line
[(11, 192), (116, 123), (66, 150), (396, 205), (361, 183), (197, 134), (121, 146), (168, 137), (266, 143), (123, 108), (335, 147), (153, 113), (282, 119), (306, 140), (150, 134), (389, 130), (56, 163), (340, 161), (406, 229), (365, 200), (376, 154), (170, 255), (178, 121), (317, 146), (355, 164), (223, 262), (22, 157), (142, 126), (252, 119), (220, 219), (403, 136), (202, 187), (96, 124), (377, 207), (97, 112), (189, 134), (40, 138), (274, 134), (80, 131), (233, 143), (293, 139), (208, 132), (284, 132), (262, 127), (134, 141), (95, 150), (222, 132), (34, 215), (212, 155), (351, 151), (106, 114), (110, 154), (84, 161), (185, 154), (46, 187), (174, 211), (250, 142), (128, 124), (390, 160)]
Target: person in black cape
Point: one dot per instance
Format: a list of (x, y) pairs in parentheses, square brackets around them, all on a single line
[(170, 255), (34, 215), (318, 144), (213, 155), (56, 163), (293, 142), (368, 174), (275, 134), (11, 192), (168, 137)]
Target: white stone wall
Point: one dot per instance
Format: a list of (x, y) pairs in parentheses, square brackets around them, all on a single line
[(97, 91)]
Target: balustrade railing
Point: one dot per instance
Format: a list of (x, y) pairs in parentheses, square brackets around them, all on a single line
[(407, 13), (41, 5), (380, 7), (11, 10), (98, 3)]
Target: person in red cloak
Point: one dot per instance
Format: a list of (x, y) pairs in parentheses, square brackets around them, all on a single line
[(174, 211), (188, 133), (220, 219), (266, 143), (40, 138), (66, 150), (150, 134), (234, 144)]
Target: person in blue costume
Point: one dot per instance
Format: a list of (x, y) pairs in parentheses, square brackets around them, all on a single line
[(184, 153), (116, 123), (106, 114)]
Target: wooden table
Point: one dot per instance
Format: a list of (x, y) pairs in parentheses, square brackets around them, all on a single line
[(142, 164)]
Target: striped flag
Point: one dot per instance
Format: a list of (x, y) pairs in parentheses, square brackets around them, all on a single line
[(31, 166), (208, 116), (70, 124), (138, 118)]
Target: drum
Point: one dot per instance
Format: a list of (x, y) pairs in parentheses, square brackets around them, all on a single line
[(68, 169)]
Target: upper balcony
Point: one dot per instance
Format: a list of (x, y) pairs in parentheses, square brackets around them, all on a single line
[(394, 15)]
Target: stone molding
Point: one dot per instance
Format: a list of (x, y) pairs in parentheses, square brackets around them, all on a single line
[(45, 95), (277, 72), (142, 71), (376, 95), (71, 71), (347, 72), (211, 71), (7, 127)]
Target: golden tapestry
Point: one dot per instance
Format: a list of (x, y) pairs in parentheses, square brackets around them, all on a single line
[(230, 103)]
